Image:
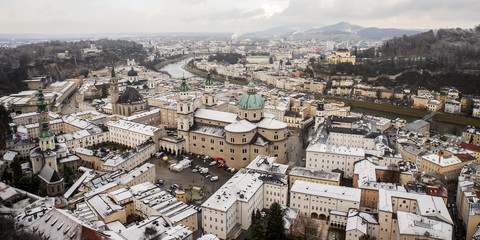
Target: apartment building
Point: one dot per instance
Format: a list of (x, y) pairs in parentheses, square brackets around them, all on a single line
[(317, 200)]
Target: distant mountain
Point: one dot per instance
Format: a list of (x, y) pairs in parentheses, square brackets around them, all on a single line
[(347, 31)]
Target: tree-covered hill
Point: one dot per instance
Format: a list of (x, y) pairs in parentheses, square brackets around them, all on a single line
[(43, 58)]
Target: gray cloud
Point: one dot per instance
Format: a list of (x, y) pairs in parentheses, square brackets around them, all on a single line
[(90, 16)]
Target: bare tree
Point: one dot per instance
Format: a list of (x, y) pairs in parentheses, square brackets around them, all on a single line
[(306, 228)]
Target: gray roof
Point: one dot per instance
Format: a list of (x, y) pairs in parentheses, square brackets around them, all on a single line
[(49, 175)]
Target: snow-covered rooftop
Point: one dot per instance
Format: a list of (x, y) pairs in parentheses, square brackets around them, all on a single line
[(328, 191), (416, 225), (216, 115)]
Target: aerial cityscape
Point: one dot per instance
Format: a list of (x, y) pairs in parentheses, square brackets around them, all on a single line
[(260, 120)]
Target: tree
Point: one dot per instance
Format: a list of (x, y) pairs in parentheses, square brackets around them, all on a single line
[(9, 231), (306, 228), (257, 231), (365, 237), (6, 176), (104, 91), (17, 170), (275, 223)]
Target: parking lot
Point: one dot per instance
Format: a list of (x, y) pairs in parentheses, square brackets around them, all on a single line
[(186, 178)]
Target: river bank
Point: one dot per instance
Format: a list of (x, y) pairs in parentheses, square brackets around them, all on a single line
[(199, 73), (405, 111)]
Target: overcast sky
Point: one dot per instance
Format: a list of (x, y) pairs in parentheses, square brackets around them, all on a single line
[(122, 16)]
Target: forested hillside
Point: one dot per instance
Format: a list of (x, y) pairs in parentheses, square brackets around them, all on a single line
[(448, 57), (42, 59)]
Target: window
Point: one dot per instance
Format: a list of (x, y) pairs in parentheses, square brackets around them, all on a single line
[(232, 150), (255, 150), (212, 141), (232, 139), (221, 143), (244, 150), (203, 139)]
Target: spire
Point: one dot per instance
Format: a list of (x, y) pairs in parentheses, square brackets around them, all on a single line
[(113, 72), (209, 81), (41, 103), (184, 86)]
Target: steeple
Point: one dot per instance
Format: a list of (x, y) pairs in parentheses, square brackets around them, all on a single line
[(209, 81), (184, 86), (45, 131), (41, 103), (114, 91)]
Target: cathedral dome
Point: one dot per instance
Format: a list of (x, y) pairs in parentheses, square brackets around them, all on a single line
[(132, 73), (251, 99)]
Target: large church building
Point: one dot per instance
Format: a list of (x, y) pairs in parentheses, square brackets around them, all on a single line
[(237, 138)]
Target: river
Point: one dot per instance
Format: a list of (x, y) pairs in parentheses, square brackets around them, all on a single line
[(437, 126), (175, 69)]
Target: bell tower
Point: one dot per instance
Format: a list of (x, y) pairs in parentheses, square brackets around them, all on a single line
[(114, 92), (208, 98), (184, 113)]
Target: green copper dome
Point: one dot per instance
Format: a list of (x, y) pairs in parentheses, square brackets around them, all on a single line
[(45, 132), (184, 86), (209, 80), (250, 99)]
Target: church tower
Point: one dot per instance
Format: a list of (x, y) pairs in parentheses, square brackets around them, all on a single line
[(208, 98), (184, 113), (114, 92), (46, 135)]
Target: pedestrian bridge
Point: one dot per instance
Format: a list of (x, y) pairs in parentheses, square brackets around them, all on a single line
[(430, 115)]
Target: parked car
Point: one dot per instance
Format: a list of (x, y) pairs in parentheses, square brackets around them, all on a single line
[(214, 178), (231, 169), (221, 165), (195, 170), (213, 163), (160, 181)]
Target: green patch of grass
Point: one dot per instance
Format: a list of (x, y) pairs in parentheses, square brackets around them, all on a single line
[(381, 107), (457, 119)]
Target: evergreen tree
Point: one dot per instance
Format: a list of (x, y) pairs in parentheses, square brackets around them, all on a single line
[(275, 223), (104, 91), (257, 231), (17, 170), (6, 176)]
